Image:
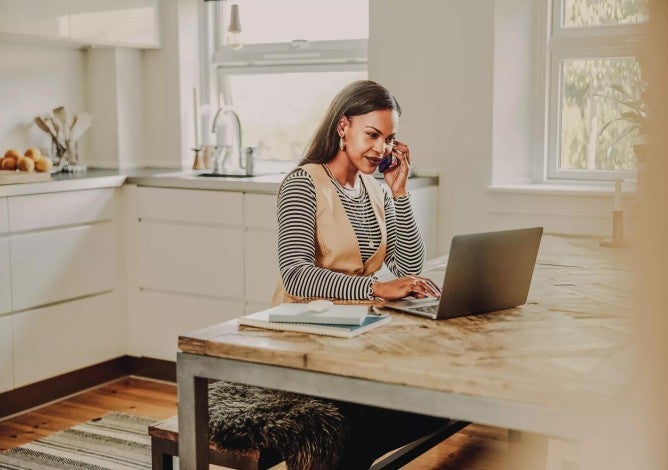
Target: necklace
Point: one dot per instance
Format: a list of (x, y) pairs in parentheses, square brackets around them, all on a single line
[(353, 191), (356, 196)]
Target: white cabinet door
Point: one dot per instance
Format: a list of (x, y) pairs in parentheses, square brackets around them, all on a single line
[(260, 211), (5, 284), (261, 249), (57, 265), (43, 18), (115, 22), (4, 219), (153, 330), (36, 211), (61, 338), (261, 265), (190, 206), (205, 260), (6, 358)]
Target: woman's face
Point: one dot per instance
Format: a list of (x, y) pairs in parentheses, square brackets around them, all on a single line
[(369, 137)]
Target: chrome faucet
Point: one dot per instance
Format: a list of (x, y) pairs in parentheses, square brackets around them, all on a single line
[(224, 149)]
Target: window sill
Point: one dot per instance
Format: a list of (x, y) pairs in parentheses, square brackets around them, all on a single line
[(563, 189)]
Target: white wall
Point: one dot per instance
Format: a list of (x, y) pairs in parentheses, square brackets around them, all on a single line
[(465, 73), (34, 79), (516, 90), (169, 75), (437, 59), (115, 98)]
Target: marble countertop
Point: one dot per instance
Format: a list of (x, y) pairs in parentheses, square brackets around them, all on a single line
[(164, 178)]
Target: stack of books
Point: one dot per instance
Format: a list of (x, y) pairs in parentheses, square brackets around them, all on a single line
[(343, 321)]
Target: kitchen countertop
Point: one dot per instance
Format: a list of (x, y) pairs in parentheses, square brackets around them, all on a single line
[(164, 178)]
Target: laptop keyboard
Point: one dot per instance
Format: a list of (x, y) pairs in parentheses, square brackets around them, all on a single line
[(426, 308)]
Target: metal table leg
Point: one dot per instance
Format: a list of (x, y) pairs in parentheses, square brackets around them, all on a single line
[(193, 415)]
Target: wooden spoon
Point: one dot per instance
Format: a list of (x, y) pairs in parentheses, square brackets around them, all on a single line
[(61, 116)]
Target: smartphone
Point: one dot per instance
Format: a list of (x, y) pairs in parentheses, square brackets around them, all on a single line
[(385, 163)]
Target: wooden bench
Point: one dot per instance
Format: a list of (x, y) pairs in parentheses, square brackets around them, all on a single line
[(165, 446)]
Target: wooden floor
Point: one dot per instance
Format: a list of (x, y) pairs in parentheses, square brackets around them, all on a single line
[(474, 448)]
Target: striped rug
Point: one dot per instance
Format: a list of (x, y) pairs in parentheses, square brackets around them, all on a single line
[(115, 441)]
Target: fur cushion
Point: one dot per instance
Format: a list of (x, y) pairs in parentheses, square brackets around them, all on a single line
[(307, 432)]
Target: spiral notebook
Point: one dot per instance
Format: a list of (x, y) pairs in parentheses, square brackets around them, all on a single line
[(261, 320)]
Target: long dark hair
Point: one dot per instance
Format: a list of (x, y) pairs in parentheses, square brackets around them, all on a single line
[(357, 98)]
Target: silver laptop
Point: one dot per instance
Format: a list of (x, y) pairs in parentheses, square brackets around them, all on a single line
[(485, 272)]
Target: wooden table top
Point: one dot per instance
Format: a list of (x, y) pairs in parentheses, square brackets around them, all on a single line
[(568, 347)]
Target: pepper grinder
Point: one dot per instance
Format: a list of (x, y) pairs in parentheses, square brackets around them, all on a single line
[(198, 163)]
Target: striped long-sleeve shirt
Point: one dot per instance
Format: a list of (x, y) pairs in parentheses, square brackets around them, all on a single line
[(296, 240)]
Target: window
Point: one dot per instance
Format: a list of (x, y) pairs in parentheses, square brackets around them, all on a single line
[(595, 88), (295, 57)]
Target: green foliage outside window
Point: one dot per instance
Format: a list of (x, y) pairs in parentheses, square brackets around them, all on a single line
[(594, 136), (578, 13)]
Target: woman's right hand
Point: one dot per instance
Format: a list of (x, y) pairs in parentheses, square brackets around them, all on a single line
[(415, 286)]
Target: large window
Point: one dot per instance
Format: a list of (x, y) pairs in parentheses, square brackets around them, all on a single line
[(296, 55), (596, 112)]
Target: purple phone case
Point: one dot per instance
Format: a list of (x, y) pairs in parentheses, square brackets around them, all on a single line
[(385, 163)]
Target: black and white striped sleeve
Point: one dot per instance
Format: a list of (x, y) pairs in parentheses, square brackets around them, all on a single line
[(405, 247), (296, 247)]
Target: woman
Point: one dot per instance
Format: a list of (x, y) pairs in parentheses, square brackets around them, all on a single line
[(336, 223)]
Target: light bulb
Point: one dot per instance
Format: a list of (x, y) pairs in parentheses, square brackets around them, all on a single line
[(234, 41)]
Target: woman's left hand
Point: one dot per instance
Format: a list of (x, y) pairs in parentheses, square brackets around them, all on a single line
[(396, 175)]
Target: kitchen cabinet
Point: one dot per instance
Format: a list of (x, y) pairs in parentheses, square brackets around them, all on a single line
[(189, 266), (5, 284), (115, 22), (260, 250), (59, 256), (5, 280), (38, 211), (4, 217), (189, 258), (191, 241), (6, 355), (60, 338), (129, 23), (65, 246), (63, 264), (187, 206), (160, 317), (48, 19), (203, 260)]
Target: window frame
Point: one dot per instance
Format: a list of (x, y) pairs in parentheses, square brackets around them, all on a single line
[(222, 71), (581, 42), (296, 56)]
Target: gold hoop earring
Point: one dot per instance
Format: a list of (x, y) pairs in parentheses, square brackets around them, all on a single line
[(342, 144)]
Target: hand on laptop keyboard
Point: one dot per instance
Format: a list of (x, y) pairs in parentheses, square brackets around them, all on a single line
[(415, 286), (424, 287)]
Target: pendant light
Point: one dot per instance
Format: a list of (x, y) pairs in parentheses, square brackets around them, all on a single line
[(234, 29)]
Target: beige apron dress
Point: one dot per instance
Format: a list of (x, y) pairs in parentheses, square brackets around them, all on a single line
[(336, 246)]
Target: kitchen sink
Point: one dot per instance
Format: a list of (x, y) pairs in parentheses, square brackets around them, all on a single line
[(230, 175), (209, 175)]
